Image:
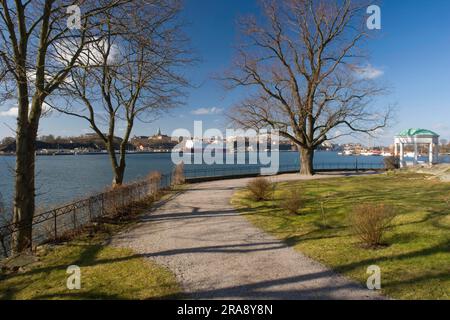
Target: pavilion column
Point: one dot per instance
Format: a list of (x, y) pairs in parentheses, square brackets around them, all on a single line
[(431, 154), (435, 152), (416, 151), (396, 150), (402, 155)]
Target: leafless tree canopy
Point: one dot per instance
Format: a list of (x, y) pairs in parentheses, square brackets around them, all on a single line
[(132, 74), (36, 36), (303, 66)]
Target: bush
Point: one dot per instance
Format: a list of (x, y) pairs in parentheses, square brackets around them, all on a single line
[(154, 179), (178, 175), (324, 200), (293, 202), (369, 222), (260, 189), (392, 163)]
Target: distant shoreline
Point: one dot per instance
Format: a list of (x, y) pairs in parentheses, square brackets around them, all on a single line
[(105, 153), (140, 152), (84, 153)]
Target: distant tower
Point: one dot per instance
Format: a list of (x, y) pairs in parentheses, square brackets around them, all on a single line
[(159, 132)]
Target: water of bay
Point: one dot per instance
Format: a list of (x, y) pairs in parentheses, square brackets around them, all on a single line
[(62, 179)]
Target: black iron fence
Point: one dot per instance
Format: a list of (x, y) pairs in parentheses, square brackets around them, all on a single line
[(54, 224), (248, 170)]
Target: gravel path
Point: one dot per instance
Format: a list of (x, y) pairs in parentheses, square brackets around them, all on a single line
[(216, 253)]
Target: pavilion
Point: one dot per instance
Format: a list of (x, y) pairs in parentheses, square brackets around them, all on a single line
[(416, 137)]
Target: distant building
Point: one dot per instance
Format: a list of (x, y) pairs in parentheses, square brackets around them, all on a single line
[(158, 142), (160, 138)]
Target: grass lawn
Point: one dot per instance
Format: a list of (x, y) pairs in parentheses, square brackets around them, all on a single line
[(416, 262), (106, 272)]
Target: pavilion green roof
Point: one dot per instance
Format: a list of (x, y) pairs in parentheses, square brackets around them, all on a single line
[(417, 132)]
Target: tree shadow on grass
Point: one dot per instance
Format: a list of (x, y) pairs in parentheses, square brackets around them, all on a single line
[(88, 257), (97, 295), (443, 247)]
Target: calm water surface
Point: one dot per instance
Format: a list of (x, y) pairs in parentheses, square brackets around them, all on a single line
[(61, 179)]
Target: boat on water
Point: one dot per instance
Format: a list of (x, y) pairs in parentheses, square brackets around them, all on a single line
[(346, 153), (412, 155), (371, 153)]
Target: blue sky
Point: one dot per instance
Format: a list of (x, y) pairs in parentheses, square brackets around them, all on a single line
[(412, 51)]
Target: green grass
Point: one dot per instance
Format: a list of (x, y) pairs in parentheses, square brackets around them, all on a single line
[(106, 272), (416, 262)]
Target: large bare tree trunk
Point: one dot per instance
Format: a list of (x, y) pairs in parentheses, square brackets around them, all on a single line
[(307, 162), (24, 201), (118, 172)]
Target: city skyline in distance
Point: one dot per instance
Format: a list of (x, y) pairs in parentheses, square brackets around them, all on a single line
[(409, 55)]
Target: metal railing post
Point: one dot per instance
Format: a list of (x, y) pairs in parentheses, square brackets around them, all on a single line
[(55, 225)]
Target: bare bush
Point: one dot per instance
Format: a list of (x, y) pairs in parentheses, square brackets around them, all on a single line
[(370, 221), (178, 175), (260, 189), (154, 179), (293, 202), (391, 163), (325, 199)]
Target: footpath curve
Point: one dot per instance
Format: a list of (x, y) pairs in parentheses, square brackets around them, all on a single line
[(216, 253)]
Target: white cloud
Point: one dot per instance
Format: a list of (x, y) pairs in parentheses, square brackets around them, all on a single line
[(11, 112), (368, 72), (92, 54), (207, 111), (14, 111)]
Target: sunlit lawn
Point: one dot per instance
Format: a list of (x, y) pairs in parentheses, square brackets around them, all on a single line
[(416, 262), (106, 273)]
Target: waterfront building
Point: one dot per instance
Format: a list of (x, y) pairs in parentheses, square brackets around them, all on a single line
[(156, 143)]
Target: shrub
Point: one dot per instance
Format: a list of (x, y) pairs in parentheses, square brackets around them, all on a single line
[(178, 175), (260, 189), (392, 163), (154, 179), (293, 202), (369, 222)]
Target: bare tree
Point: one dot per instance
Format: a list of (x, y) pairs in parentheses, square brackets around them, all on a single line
[(133, 74), (35, 38), (303, 67)]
